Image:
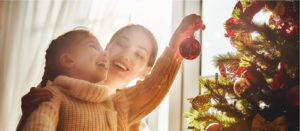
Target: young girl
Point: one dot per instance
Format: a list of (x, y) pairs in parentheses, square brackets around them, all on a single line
[(74, 61), (158, 83)]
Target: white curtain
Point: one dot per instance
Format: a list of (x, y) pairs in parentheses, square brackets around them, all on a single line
[(28, 26), (26, 29)]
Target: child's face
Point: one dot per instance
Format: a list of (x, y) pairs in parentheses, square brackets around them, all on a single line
[(129, 54), (90, 61)]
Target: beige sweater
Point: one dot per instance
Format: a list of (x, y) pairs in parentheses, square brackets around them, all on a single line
[(78, 105)]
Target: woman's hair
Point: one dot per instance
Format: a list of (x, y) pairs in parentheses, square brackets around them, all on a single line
[(56, 47), (147, 32)]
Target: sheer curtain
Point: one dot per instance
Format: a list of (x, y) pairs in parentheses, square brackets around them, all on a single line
[(26, 29), (28, 26)]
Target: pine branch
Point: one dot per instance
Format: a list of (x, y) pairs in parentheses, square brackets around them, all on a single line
[(219, 117), (227, 58), (215, 95), (230, 110), (270, 64), (287, 51)]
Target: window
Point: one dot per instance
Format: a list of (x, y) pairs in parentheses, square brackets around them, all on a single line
[(215, 13)]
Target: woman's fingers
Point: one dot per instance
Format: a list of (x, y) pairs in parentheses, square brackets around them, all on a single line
[(191, 23), (197, 20), (187, 27), (34, 98), (36, 94)]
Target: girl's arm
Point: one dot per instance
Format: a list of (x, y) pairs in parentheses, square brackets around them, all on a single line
[(138, 101), (45, 117)]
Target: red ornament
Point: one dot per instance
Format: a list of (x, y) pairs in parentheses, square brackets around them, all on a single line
[(228, 27), (279, 81), (214, 127), (248, 12), (255, 77), (292, 97), (222, 69), (232, 68), (190, 48), (285, 19), (251, 74), (239, 71), (251, 10), (287, 28)]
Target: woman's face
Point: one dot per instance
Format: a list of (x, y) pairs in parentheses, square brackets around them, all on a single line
[(129, 54)]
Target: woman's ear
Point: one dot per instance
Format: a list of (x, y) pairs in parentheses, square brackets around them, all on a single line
[(145, 72), (66, 60)]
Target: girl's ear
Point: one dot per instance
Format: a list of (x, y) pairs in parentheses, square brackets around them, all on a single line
[(145, 72), (66, 60)]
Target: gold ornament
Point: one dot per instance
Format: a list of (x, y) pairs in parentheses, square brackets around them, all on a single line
[(260, 124), (199, 102), (240, 86)]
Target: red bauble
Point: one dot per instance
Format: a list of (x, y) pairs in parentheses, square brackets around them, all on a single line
[(287, 27), (251, 74), (214, 127), (279, 81), (248, 12), (240, 70), (228, 27), (190, 48), (292, 97), (232, 68)]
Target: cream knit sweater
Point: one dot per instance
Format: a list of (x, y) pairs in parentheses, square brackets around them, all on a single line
[(79, 105)]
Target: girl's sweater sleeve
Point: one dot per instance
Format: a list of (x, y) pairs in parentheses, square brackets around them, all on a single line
[(138, 101), (45, 117)]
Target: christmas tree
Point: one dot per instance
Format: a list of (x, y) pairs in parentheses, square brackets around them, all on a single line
[(257, 87)]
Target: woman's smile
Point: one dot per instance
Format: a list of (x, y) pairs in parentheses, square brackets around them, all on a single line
[(120, 66)]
